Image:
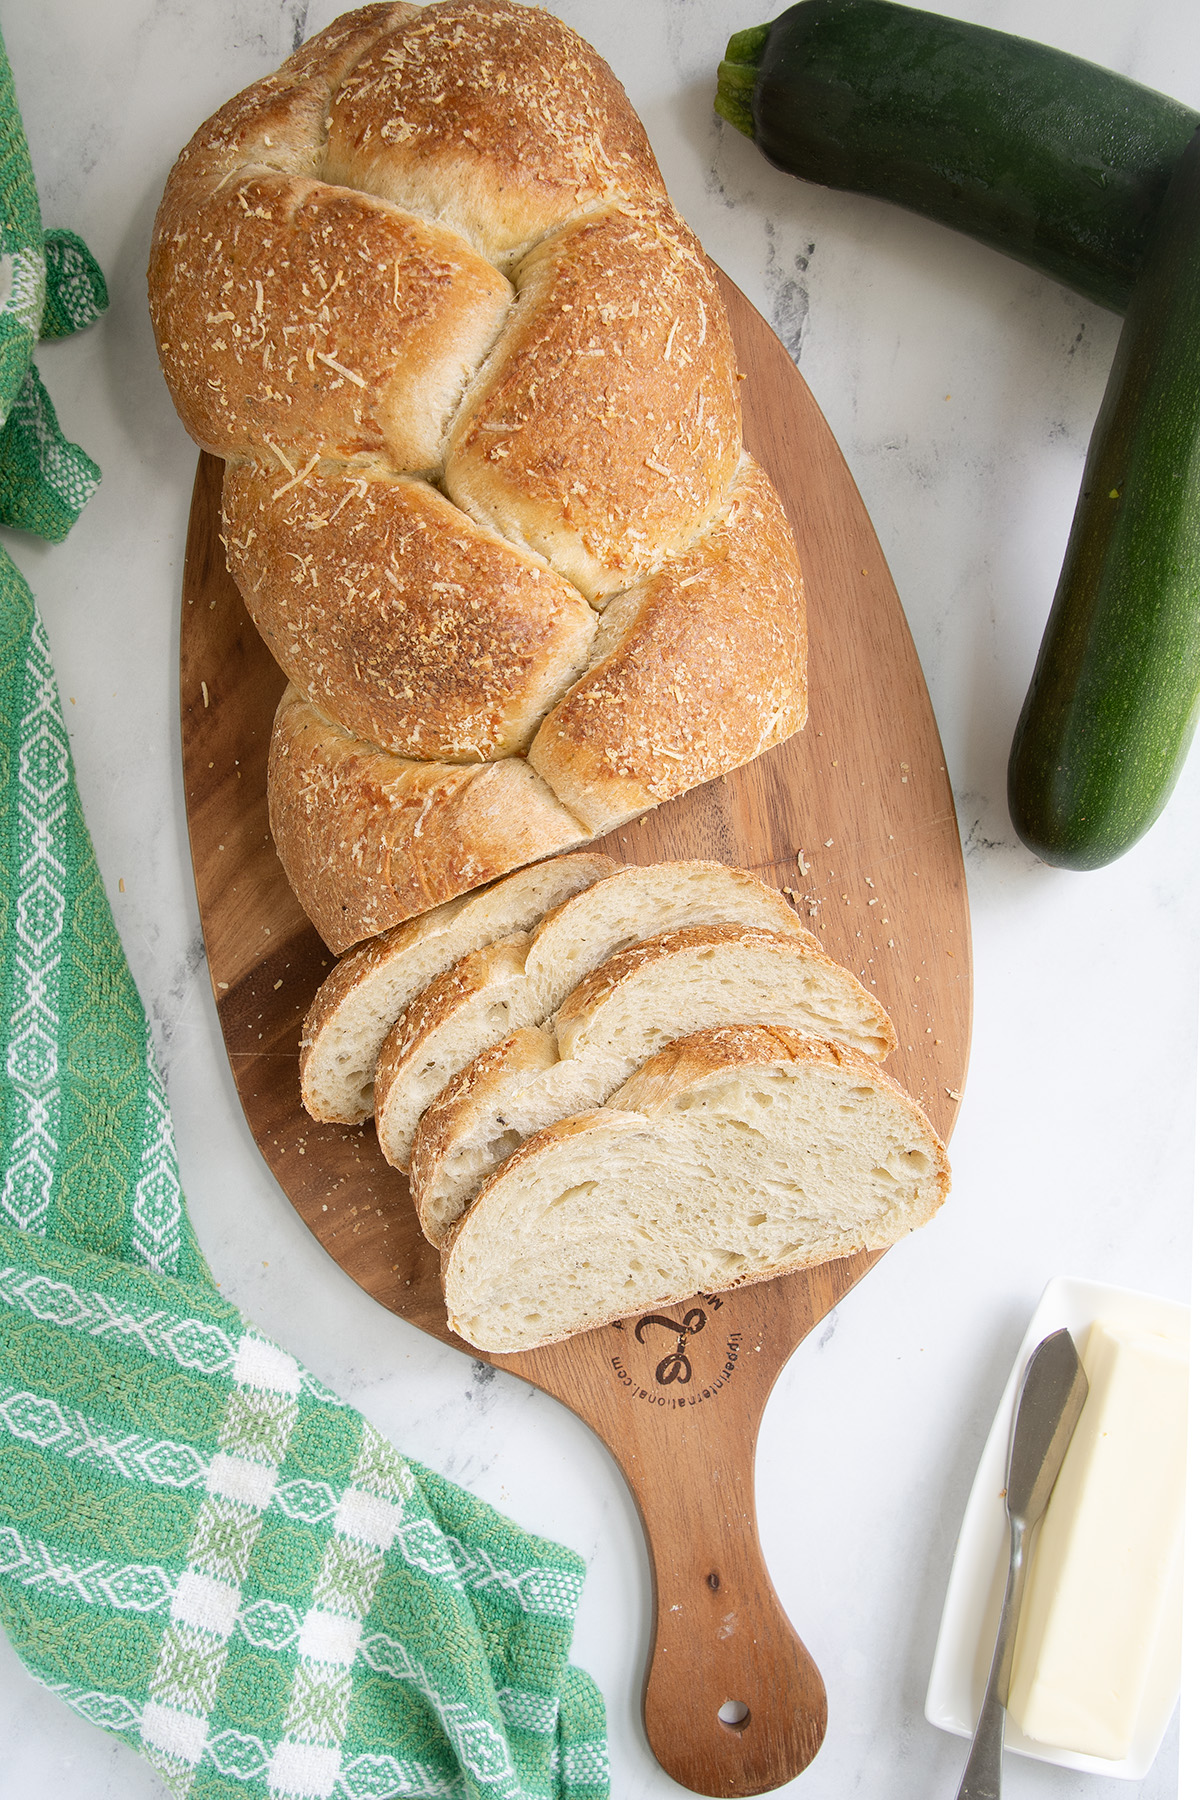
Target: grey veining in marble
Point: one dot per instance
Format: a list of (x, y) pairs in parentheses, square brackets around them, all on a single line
[(962, 389)]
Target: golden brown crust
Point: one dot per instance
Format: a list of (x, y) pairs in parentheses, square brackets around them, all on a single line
[(720, 1048), (296, 319), (369, 839), (328, 279), (495, 117), (619, 460), (278, 122), (413, 627), (245, 292), (697, 671)]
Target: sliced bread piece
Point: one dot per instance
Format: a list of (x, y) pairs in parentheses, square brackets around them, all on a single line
[(359, 1002), (629, 1008), (621, 909), (734, 1155), (641, 901), (485, 996), (361, 999)]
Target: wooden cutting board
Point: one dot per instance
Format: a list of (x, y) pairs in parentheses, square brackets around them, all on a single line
[(855, 817)]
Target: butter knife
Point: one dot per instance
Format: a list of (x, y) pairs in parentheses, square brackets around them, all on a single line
[(1053, 1390)]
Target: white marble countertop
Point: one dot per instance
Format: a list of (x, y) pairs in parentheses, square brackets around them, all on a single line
[(962, 389)]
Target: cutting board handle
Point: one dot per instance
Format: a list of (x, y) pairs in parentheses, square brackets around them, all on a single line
[(734, 1704)]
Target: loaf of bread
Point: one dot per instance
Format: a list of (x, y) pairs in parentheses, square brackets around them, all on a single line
[(485, 492), (631, 1007), (732, 1156)]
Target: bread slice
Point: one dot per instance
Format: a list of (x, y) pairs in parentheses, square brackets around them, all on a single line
[(483, 997), (735, 1155), (361, 999), (627, 1010), (641, 901), (359, 1002), (477, 1004)]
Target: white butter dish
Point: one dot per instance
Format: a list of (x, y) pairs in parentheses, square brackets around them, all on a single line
[(972, 1609)]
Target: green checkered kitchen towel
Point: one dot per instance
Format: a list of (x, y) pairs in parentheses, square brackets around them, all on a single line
[(202, 1549)]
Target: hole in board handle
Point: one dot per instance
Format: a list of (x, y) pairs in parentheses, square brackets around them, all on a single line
[(735, 1714)]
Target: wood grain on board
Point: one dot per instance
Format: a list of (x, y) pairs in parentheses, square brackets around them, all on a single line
[(855, 818)]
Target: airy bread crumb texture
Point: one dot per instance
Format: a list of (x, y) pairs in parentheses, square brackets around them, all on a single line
[(362, 997), (543, 1031), (733, 1156), (637, 1002)]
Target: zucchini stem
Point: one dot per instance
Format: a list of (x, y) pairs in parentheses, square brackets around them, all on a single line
[(736, 77)]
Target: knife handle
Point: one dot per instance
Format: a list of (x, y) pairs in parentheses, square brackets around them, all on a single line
[(981, 1777)]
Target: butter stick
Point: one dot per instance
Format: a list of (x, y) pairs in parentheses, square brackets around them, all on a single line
[(1108, 1559)]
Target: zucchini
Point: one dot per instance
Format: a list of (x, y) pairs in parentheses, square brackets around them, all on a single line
[(1054, 161), (1115, 693)]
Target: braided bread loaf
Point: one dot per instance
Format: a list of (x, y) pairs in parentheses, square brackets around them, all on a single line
[(485, 493)]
